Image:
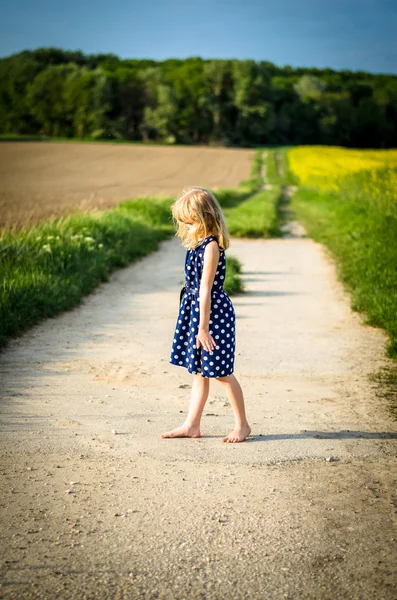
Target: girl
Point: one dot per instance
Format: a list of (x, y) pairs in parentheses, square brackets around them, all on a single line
[(204, 341)]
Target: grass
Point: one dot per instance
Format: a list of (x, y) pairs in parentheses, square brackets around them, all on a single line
[(364, 243), (351, 207), (256, 216), (16, 137), (49, 267), (271, 167), (251, 211), (233, 282), (278, 171)]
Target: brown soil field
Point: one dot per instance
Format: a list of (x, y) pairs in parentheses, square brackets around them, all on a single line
[(44, 179)]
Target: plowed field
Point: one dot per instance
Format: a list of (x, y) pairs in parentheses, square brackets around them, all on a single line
[(39, 180)]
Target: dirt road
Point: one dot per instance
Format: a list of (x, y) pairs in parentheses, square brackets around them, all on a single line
[(40, 180), (306, 508)]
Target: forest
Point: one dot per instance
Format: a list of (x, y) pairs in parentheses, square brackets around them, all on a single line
[(55, 93)]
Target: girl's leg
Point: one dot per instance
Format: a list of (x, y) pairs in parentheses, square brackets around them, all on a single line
[(235, 395), (198, 398)]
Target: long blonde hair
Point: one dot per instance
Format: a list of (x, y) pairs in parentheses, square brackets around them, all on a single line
[(198, 205)]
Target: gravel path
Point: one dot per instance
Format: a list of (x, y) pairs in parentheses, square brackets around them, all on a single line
[(306, 508)]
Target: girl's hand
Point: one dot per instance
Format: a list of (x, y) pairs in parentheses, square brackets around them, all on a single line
[(205, 339)]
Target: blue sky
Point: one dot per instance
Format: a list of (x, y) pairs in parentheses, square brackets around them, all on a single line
[(341, 34)]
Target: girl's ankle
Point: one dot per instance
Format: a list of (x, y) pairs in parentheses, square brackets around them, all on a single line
[(241, 424), (192, 425)]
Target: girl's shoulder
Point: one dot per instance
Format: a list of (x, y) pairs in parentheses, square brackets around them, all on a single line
[(210, 238)]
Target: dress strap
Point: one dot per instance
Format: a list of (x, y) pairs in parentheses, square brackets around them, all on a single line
[(209, 239)]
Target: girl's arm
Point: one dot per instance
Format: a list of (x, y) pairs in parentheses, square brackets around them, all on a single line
[(211, 259)]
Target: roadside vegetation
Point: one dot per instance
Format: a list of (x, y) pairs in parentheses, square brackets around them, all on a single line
[(251, 210), (354, 213)]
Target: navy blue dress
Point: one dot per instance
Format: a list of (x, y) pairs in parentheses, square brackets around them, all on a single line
[(219, 362)]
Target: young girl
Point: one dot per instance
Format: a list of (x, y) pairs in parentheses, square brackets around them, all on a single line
[(204, 341)]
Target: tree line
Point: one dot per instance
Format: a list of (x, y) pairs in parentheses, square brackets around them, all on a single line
[(53, 92)]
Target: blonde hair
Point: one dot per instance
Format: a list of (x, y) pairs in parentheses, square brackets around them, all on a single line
[(199, 206)]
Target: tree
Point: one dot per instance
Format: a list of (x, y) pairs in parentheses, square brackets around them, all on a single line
[(309, 86), (87, 101), (160, 120), (256, 116), (232, 102), (46, 99)]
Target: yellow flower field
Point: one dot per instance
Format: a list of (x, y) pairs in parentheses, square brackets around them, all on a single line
[(324, 167)]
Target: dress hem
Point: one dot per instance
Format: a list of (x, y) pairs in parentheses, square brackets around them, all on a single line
[(201, 373)]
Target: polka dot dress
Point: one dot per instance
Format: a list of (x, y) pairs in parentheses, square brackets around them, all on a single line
[(219, 362)]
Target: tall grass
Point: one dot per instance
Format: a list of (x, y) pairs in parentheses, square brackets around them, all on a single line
[(375, 188), (233, 282), (256, 216), (351, 207), (363, 240), (49, 267), (251, 211)]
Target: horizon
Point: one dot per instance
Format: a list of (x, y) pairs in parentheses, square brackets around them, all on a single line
[(341, 35), (178, 58)]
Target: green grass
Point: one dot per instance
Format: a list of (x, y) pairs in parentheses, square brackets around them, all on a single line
[(364, 242), (375, 188), (14, 137), (233, 282), (255, 217), (278, 172), (251, 211), (271, 167), (358, 223), (49, 267)]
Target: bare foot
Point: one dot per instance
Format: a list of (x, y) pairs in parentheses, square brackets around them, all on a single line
[(183, 431), (238, 434)]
